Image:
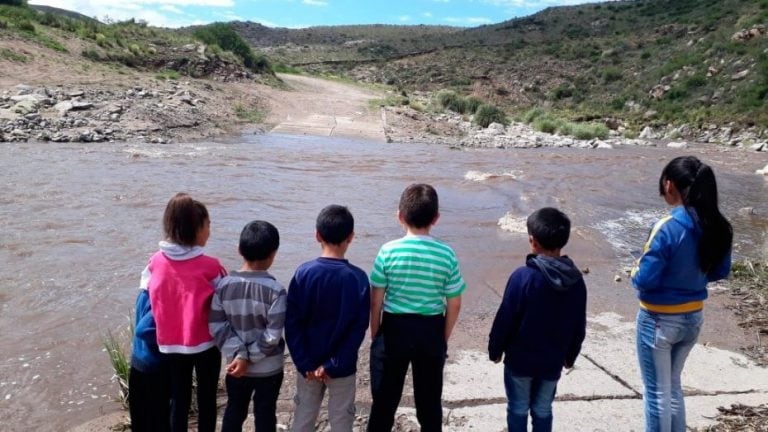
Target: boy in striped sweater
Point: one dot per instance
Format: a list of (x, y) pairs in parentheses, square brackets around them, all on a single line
[(247, 319), (417, 282)]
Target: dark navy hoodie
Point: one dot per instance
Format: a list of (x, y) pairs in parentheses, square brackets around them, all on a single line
[(541, 322)]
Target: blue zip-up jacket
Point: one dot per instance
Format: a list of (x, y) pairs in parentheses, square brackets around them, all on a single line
[(327, 315), (542, 319), (668, 272), (145, 354)]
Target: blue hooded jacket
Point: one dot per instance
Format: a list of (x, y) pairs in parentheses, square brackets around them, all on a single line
[(668, 272), (145, 354), (542, 319)]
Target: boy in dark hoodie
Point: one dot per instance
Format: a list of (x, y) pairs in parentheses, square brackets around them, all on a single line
[(540, 324)]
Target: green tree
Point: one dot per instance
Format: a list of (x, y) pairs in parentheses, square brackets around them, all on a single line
[(226, 38), (13, 2)]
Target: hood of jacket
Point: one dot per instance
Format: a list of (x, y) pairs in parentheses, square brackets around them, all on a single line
[(561, 273), (178, 252)]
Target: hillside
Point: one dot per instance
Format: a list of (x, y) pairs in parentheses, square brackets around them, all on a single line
[(645, 62)]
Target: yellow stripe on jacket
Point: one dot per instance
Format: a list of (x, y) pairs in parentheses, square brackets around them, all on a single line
[(693, 306)]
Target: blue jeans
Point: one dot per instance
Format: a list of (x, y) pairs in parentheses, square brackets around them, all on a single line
[(663, 344), (529, 394)]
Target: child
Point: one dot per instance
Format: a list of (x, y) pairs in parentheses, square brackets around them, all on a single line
[(685, 251), (247, 319), (326, 320), (416, 279), (149, 390), (180, 280), (540, 324)]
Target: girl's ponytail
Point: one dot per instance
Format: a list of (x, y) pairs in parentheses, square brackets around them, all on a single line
[(695, 181)]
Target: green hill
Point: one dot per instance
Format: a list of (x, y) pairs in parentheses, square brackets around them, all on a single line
[(644, 61)]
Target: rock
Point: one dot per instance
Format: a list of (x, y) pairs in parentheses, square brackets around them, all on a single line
[(648, 133), (650, 115), (658, 91), (76, 94), (617, 278), (712, 71), (23, 89), (747, 211), (763, 171), (64, 107), (613, 123), (740, 75), (187, 100), (25, 107), (758, 147), (495, 129), (602, 145), (678, 145)]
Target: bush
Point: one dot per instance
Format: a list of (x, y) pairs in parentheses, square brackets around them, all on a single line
[(91, 54), (487, 114), (447, 98), (590, 131), (545, 124), (563, 91), (135, 49), (226, 37), (532, 114), (472, 104), (24, 25), (611, 75)]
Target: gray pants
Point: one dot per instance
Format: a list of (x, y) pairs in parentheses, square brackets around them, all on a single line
[(341, 403)]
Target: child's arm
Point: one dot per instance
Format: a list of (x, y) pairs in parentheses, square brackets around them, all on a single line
[(507, 319), (453, 306), (377, 301), (579, 333), (225, 337), (145, 328), (651, 265), (295, 322), (269, 341)]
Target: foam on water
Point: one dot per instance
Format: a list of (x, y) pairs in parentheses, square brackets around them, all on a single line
[(628, 232), (513, 223), (479, 176)]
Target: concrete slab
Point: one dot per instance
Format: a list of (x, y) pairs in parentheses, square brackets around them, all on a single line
[(473, 377), (611, 344)]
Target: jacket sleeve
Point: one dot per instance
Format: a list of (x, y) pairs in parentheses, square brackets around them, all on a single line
[(508, 317), (145, 329), (224, 335), (648, 272), (347, 352), (580, 331), (722, 270), (295, 322), (269, 342)]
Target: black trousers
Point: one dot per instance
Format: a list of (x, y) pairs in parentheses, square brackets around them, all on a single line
[(206, 365), (263, 391), (418, 341), (149, 400)]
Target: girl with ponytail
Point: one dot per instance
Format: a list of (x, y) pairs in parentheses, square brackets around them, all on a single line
[(684, 251)]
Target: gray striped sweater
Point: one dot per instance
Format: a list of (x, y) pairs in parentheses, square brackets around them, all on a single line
[(247, 319)]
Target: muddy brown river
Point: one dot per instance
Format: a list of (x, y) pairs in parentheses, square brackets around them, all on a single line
[(78, 222)]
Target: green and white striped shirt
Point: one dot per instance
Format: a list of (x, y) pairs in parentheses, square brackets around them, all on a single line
[(418, 274)]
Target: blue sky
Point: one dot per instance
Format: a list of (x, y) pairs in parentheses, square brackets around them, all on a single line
[(306, 13)]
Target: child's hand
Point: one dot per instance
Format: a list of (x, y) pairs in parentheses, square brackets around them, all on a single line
[(237, 367), (320, 374)]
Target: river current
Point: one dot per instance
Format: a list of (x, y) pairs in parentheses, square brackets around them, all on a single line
[(78, 223)]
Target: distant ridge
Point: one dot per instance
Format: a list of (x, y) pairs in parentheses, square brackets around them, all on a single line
[(64, 12)]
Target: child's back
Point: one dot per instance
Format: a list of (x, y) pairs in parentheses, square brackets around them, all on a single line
[(247, 320), (540, 324)]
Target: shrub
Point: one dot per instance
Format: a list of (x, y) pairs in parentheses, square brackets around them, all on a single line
[(590, 131), (446, 98), (169, 74), (135, 49), (611, 75), (226, 37), (545, 124), (24, 24), (91, 54), (562, 91), (472, 104), (487, 114), (532, 114)]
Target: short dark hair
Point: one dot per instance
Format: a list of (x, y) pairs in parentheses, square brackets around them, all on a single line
[(183, 218), (334, 224), (418, 205), (258, 240), (549, 227)]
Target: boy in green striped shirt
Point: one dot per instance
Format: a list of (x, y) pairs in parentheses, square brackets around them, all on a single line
[(417, 284)]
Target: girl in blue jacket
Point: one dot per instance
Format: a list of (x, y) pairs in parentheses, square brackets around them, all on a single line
[(685, 251)]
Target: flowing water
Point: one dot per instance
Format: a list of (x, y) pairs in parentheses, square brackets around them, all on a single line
[(79, 222)]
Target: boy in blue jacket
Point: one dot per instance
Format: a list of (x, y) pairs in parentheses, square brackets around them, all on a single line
[(149, 388), (325, 323), (540, 324)]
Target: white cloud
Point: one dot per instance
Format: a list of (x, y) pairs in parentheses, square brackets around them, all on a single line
[(404, 18), (155, 12), (171, 9), (427, 14), (315, 2), (535, 4), (468, 20)]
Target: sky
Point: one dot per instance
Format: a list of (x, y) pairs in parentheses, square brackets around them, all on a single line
[(308, 13)]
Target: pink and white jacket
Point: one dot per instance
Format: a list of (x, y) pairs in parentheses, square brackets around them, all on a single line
[(181, 282)]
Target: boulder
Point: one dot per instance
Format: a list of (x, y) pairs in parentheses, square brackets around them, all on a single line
[(678, 145), (648, 133), (740, 75), (658, 91), (763, 171), (25, 107), (64, 107), (758, 147), (650, 115)]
